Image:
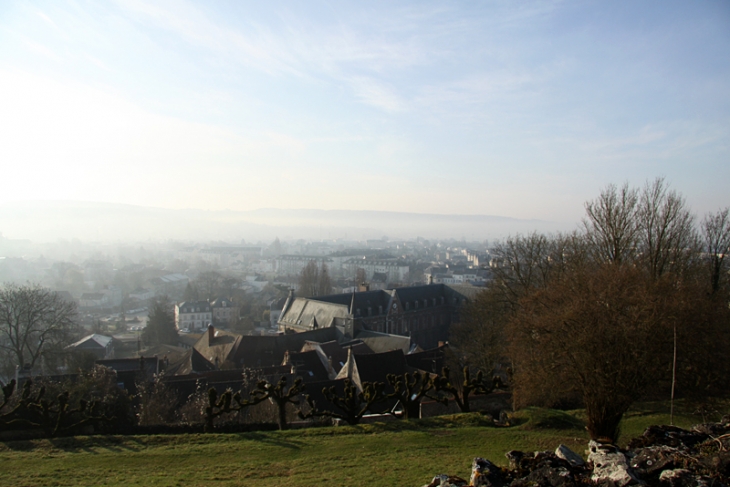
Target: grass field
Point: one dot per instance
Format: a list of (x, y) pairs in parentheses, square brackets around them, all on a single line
[(382, 454)]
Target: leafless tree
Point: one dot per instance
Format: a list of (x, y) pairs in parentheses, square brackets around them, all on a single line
[(667, 237), (314, 281), (360, 276), (33, 321), (603, 333), (611, 224), (716, 236), (324, 283)]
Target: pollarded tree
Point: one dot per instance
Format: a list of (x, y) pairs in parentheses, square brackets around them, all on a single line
[(461, 386), (280, 394), (33, 320), (353, 404), (410, 389)]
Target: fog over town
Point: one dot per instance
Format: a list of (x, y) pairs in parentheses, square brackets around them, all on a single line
[(239, 216)]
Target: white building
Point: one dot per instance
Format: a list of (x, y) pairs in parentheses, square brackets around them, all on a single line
[(193, 315)]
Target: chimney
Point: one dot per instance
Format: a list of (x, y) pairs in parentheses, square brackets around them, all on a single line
[(211, 333), (430, 279)]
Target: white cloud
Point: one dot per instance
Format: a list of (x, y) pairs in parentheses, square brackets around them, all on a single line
[(377, 94)]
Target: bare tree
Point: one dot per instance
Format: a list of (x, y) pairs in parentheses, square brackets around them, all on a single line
[(314, 281), (308, 279), (603, 333), (522, 264), (666, 229), (324, 283), (716, 236), (33, 321), (611, 225), (360, 276)]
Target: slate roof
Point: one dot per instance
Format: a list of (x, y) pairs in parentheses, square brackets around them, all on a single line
[(148, 364), (191, 306), (222, 303), (92, 341), (384, 342), (336, 351), (258, 351), (190, 363), (428, 360), (373, 367), (308, 365), (219, 347), (305, 312), (362, 300)]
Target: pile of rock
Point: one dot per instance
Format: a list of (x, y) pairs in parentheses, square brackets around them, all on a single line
[(663, 456)]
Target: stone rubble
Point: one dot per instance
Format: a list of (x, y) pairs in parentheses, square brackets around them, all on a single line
[(663, 456)]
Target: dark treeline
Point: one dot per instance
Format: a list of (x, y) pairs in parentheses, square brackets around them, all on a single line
[(593, 318)]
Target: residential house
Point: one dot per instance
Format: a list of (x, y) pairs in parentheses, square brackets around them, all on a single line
[(224, 311), (193, 315), (101, 346)]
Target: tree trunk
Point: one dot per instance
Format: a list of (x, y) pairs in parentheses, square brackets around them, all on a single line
[(281, 406)]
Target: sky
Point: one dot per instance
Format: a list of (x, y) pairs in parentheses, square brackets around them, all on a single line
[(510, 108)]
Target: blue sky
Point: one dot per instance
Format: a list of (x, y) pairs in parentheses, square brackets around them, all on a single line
[(521, 109)]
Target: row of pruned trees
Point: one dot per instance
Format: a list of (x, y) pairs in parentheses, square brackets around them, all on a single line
[(347, 401), (93, 402), (595, 317)]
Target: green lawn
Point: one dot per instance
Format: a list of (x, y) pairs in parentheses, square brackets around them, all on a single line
[(403, 453)]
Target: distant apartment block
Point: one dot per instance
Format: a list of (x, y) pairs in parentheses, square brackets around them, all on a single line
[(170, 284), (395, 270), (106, 299), (290, 265)]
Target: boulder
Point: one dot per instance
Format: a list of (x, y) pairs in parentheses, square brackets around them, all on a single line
[(565, 453), (610, 466), (485, 474), (664, 456), (443, 480), (652, 460)]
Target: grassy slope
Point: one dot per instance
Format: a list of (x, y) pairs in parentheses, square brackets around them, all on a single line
[(373, 455)]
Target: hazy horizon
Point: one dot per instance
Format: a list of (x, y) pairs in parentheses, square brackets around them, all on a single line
[(48, 221), (522, 110)]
